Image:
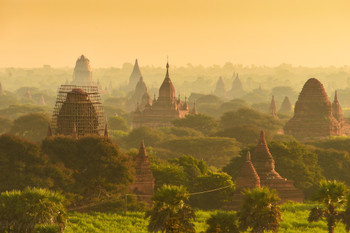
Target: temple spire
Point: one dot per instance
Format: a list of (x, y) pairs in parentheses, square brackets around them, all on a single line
[(336, 96), (142, 150), (248, 156), (273, 107)]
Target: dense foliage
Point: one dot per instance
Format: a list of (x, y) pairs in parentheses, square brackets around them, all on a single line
[(170, 211), (260, 211), (23, 211)]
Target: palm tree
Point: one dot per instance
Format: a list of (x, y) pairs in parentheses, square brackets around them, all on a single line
[(171, 212), (260, 211), (332, 195)]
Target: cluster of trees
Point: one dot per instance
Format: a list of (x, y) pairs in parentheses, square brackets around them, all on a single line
[(259, 210), (86, 170), (196, 177)]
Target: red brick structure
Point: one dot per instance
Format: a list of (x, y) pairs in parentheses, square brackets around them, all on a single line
[(265, 167), (144, 180), (337, 110), (260, 171), (313, 116), (163, 110)]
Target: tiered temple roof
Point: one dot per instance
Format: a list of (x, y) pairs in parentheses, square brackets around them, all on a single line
[(313, 116)]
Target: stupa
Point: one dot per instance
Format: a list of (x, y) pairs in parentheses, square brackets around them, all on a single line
[(286, 107), (265, 167), (220, 88), (273, 108), (82, 75), (163, 110), (135, 76), (247, 178), (313, 116), (237, 88), (337, 110), (139, 92), (144, 181)]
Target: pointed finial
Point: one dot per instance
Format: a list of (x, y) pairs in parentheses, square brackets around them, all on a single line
[(142, 150), (248, 156), (49, 131), (336, 96), (262, 139), (167, 62)]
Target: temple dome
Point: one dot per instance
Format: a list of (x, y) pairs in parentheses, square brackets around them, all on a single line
[(167, 89)]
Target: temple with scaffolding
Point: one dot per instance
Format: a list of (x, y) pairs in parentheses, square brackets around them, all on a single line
[(78, 111)]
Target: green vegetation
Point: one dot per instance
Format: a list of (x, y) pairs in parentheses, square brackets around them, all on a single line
[(171, 211), (260, 211), (31, 209), (294, 220)]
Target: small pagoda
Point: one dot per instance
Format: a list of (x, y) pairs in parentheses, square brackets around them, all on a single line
[(143, 184)]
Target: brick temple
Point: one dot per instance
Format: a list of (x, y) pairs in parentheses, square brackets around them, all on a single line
[(313, 117), (164, 109), (260, 171)]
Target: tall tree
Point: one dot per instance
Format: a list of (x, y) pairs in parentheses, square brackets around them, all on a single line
[(171, 212), (332, 195), (260, 211)]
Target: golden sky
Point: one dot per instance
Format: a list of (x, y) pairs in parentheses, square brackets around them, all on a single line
[(111, 32)]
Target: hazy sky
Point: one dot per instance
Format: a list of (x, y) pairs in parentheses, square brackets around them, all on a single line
[(111, 32)]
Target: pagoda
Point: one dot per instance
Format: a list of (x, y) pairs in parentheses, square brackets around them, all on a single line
[(144, 181), (286, 107), (313, 116), (265, 167), (273, 108), (82, 75), (337, 110), (135, 76), (220, 88), (237, 87), (163, 110)]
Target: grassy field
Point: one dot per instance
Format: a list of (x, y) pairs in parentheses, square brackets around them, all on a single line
[(294, 220)]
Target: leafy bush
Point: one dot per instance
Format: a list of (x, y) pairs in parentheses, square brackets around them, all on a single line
[(21, 211), (223, 222)]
